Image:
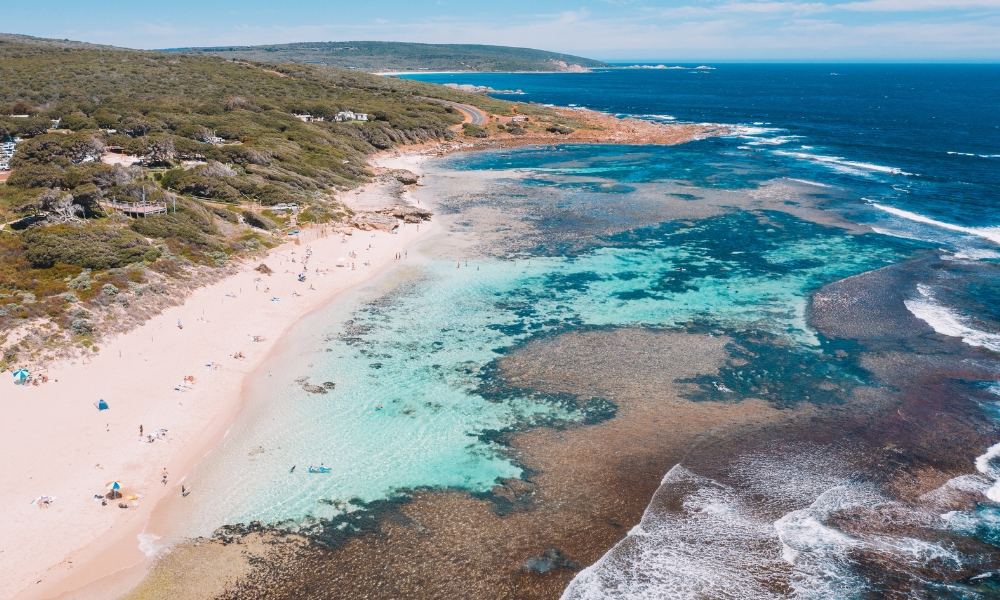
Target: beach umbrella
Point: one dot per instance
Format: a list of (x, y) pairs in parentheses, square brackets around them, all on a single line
[(114, 486), (21, 374)]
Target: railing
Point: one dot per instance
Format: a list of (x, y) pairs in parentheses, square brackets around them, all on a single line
[(136, 208)]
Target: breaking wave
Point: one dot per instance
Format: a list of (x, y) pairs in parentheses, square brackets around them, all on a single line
[(771, 534), (987, 233), (838, 163), (948, 322)]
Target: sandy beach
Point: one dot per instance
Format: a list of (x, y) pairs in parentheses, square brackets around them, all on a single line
[(56, 442)]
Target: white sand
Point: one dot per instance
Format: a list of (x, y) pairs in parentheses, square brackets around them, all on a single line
[(54, 441)]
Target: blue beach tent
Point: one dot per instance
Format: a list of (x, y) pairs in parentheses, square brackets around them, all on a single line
[(102, 405)]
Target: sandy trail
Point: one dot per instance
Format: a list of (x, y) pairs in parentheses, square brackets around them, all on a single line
[(56, 442)]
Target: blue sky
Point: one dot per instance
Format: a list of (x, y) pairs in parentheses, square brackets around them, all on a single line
[(907, 30)]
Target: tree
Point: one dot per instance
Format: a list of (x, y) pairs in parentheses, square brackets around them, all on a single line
[(136, 126), (160, 150), (22, 108), (91, 147)]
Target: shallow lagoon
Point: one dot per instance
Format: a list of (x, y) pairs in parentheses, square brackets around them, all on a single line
[(410, 355)]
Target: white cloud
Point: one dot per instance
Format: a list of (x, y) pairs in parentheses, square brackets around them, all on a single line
[(918, 5)]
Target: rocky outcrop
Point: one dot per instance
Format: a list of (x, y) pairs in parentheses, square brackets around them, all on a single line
[(367, 221), (405, 177), (409, 214)]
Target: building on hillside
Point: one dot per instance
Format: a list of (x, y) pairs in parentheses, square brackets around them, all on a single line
[(519, 119), (308, 118), (4, 164), (7, 146), (350, 116)]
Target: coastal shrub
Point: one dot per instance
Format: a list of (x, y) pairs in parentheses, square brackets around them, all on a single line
[(26, 127), (77, 121), (82, 327), (185, 225), (36, 176), (92, 247), (58, 149), (474, 131), (224, 214), (81, 281), (559, 128), (259, 221)]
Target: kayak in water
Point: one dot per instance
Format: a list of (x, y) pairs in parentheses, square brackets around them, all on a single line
[(320, 469)]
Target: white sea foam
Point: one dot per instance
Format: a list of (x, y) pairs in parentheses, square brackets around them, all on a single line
[(948, 322), (975, 155), (147, 544), (818, 551), (974, 254), (906, 235), (699, 538), (985, 465), (773, 141), (840, 164), (751, 131), (807, 182), (987, 233), (710, 548)]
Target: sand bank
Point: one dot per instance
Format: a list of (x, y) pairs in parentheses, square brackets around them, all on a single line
[(56, 442)]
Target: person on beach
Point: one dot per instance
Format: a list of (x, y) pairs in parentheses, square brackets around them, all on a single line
[(165, 476), (179, 326), (140, 430)]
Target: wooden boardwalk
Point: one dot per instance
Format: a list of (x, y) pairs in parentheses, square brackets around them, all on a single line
[(136, 209)]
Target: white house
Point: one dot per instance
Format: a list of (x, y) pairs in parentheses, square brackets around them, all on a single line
[(350, 116), (4, 165), (8, 146)]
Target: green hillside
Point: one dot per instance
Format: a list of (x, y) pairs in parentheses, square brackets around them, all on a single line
[(219, 137), (399, 56)]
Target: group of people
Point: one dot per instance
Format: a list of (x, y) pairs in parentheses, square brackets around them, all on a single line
[(159, 434), (36, 381)]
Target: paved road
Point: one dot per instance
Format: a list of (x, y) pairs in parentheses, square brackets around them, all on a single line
[(472, 114)]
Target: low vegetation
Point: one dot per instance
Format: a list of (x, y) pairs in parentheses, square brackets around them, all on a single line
[(219, 143), (401, 56)]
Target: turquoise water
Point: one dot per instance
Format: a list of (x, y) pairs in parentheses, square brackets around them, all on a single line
[(409, 355)]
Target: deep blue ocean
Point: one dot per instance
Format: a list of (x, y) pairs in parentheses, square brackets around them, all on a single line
[(871, 187), (938, 123)]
